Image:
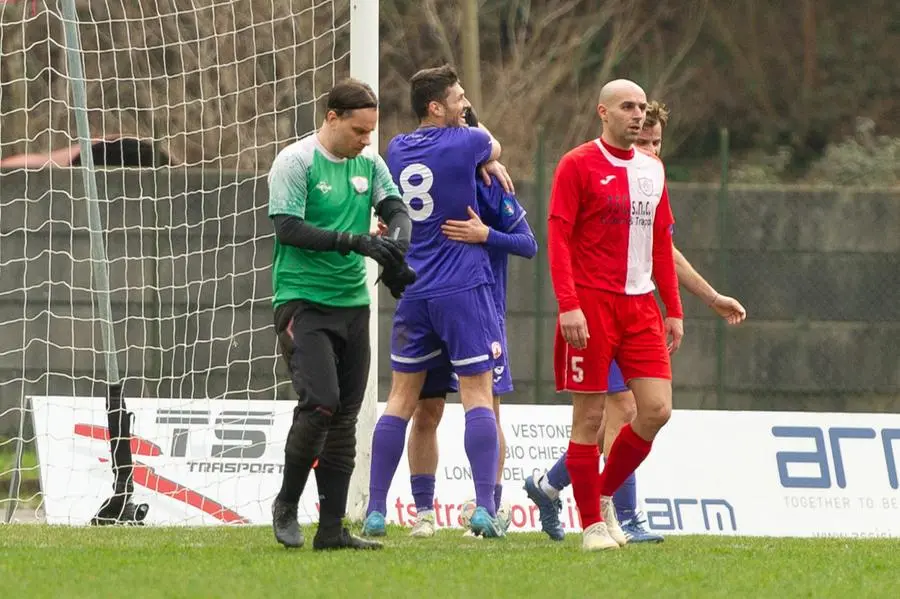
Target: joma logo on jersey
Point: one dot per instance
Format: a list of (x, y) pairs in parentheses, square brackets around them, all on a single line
[(323, 186)]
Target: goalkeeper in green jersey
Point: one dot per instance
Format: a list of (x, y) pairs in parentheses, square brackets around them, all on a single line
[(322, 190)]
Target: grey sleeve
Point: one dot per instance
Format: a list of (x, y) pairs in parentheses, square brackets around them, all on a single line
[(392, 210), (291, 230)]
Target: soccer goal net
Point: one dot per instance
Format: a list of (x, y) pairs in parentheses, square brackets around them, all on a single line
[(135, 249)]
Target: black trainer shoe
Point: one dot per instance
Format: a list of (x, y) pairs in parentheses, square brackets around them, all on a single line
[(284, 523), (342, 539)]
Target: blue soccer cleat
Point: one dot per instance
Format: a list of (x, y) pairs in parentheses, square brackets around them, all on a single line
[(373, 526), (549, 509), (483, 525), (636, 533)]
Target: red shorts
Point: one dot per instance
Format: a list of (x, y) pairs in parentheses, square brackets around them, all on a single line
[(627, 328)]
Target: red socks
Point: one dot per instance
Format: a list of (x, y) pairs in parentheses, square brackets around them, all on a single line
[(625, 455), (583, 464)]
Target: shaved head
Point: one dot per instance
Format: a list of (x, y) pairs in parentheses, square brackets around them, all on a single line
[(617, 88), (622, 107)]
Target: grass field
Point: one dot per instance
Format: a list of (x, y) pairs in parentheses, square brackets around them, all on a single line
[(44, 561)]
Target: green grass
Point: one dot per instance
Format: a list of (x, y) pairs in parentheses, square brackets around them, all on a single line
[(45, 561), (30, 476)]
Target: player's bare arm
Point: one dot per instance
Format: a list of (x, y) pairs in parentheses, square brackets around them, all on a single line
[(496, 169), (727, 307)]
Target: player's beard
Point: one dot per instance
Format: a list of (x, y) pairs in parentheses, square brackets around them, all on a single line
[(458, 120)]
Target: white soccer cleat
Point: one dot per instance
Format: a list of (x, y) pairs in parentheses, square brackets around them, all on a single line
[(465, 512), (504, 515), (424, 526), (608, 513), (596, 538)]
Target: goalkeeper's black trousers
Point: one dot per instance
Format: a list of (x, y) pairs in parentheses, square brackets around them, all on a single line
[(328, 353)]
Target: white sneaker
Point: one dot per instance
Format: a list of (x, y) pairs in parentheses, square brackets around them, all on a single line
[(424, 525), (608, 513), (504, 515), (596, 538)]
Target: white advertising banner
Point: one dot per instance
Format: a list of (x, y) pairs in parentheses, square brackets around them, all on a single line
[(202, 462)]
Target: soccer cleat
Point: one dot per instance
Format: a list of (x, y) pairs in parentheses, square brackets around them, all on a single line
[(504, 515), (374, 525), (636, 533), (484, 525), (608, 513), (284, 523), (424, 526), (596, 538), (342, 539), (549, 509)]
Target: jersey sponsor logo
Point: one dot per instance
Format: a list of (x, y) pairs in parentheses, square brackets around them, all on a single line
[(498, 373), (323, 186), (605, 180), (360, 184), (646, 186)]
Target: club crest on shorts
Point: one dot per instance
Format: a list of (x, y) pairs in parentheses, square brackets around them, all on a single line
[(646, 186), (496, 349), (360, 184)]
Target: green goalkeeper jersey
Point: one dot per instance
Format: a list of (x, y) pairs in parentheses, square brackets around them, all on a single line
[(331, 193)]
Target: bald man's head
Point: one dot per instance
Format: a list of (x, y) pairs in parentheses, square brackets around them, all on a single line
[(617, 88), (622, 106)]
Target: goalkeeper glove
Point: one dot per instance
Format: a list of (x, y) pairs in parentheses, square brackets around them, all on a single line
[(397, 279), (387, 252)]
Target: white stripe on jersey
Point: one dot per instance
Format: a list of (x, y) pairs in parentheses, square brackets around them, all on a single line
[(646, 179)]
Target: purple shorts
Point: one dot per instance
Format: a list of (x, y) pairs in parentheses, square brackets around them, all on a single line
[(459, 330), (441, 380)]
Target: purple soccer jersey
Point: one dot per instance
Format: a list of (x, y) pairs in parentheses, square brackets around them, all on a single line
[(434, 167), (448, 314), (502, 212)]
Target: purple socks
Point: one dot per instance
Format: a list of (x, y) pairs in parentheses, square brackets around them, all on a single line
[(625, 499), (483, 451), (388, 441), (422, 491), (558, 475)]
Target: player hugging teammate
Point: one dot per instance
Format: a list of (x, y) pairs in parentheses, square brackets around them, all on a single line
[(450, 228), (447, 327)]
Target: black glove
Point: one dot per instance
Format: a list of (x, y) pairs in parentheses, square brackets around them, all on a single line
[(387, 252), (470, 117), (397, 279)]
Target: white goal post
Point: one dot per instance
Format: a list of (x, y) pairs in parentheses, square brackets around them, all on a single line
[(364, 55), (194, 99)]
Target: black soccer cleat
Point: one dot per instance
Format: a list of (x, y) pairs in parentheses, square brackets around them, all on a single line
[(342, 539), (120, 510), (284, 523)]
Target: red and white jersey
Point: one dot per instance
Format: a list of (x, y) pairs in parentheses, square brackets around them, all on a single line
[(611, 225)]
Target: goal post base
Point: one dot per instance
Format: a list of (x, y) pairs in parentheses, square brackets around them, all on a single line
[(118, 508)]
